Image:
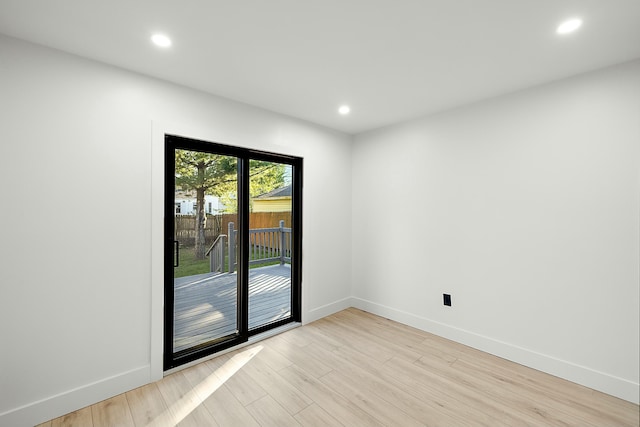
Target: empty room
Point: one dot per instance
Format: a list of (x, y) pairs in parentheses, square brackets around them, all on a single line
[(317, 213)]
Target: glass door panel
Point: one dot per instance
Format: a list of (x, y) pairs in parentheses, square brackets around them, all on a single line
[(203, 290), (205, 298), (270, 243)]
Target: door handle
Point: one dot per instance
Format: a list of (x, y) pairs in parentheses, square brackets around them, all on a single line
[(177, 258)]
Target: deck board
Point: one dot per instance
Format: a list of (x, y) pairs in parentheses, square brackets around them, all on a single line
[(205, 305)]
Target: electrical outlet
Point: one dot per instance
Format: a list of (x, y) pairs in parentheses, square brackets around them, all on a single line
[(447, 299)]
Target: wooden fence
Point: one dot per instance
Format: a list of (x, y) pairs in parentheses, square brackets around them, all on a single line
[(184, 225)]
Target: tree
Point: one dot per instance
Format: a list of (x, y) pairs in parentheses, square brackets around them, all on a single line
[(264, 176), (216, 175), (202, 173)]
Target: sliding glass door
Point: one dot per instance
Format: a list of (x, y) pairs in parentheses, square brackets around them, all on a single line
[(270, 243), (232, 245)]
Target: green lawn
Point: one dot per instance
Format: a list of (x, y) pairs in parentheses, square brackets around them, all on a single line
[(190, 266)]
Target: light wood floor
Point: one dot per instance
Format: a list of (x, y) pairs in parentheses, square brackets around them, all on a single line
[(357, 369)]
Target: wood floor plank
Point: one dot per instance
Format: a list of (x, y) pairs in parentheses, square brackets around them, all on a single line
[(275, 359), (380, 409), (227, 410), (339, 407), (469, 403), (146, 404), (270, 414), (320, 336), (299, 357), (315, 416), (112, 412), (532, 411), (80, 418), (202, 373), (425, 402), (244, 388), (297, 336), (289, 397), (347, 337), (458, 404), (372, 334), (372, 378), (378, 327), (221, 403), (184, 404), (391, 328)]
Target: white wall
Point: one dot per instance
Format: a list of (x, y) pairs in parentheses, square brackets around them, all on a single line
[(78, 308), (525, 209)]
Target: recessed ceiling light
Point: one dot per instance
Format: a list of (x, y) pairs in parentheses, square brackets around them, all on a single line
[(344, 110), (569, 26), (161, 40)]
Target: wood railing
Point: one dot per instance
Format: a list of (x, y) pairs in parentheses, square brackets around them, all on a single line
[(265, 245), (216, 254)]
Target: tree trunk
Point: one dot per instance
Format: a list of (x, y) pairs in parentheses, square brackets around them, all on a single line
[(201, 222)]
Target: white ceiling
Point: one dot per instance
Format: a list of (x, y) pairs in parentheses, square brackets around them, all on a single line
[(390, 60)]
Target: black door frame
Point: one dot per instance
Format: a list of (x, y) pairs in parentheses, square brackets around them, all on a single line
[(244, 155)]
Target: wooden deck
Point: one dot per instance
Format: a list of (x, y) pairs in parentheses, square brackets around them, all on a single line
[(205, 304)]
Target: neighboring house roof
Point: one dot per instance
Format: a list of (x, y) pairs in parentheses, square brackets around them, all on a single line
[(278, 192)]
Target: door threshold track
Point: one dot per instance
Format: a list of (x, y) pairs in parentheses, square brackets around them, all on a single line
[(252, 340)]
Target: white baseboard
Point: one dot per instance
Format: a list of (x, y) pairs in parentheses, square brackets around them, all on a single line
[(327, 310), (609, 384), (69, 401)]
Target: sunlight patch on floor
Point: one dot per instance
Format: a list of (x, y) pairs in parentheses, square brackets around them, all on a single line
[(181, 409)]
